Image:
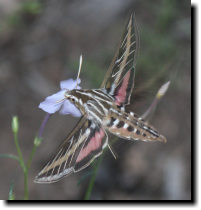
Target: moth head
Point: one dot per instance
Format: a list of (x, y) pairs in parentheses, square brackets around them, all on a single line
[(69, 94), (75, 99)]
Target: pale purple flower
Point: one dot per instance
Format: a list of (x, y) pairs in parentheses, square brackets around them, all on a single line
[(55, 103)]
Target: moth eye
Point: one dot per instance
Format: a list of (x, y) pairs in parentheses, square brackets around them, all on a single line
[(89, 105)]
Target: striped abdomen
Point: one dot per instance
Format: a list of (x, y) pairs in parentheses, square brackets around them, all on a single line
[(129, 126)]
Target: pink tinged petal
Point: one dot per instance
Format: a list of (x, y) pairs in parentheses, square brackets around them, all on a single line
[(69, 84), (69, 108), (51, 104)]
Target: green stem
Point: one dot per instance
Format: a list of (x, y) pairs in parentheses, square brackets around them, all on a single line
[(31, 157), (26, 192), (19, 151), (23, 166), (92, 180)]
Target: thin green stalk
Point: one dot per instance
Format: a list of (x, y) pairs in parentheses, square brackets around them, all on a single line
[(26, 191), (19, 151), (92, 180), (23, 166), (31, 157)]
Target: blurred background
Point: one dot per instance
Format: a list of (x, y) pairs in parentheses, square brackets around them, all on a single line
[(40, 45)]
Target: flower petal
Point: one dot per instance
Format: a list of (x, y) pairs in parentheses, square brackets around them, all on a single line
[(69, 84), (69, 108), (51, 104)]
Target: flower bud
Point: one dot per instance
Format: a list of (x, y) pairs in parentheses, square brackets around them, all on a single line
[(162, 90), (15, 124), (37, 141)]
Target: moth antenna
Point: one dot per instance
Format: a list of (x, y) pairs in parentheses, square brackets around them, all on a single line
[(63, 99), (80, 66), (112, 152)]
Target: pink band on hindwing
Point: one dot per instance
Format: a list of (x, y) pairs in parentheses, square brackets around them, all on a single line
[(94, 143)]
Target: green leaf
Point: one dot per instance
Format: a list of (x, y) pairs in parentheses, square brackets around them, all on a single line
[(11, 195), (14, 157)]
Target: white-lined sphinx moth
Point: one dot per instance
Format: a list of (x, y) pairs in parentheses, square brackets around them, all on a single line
[(103, 111)]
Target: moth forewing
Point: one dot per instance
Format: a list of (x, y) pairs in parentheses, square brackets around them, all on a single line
[(123, 64), (63, 162)]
